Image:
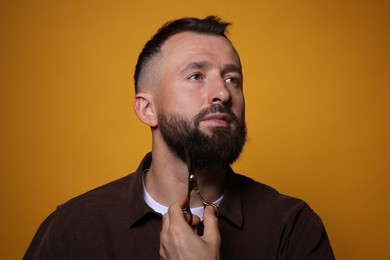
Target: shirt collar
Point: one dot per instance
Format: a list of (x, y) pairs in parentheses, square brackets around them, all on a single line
[(230, 208), (138, 207)]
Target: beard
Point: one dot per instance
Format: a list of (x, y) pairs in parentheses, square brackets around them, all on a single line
[(214, 151)]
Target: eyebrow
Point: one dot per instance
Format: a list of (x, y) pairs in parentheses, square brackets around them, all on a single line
[(232, 68), (196, 65)]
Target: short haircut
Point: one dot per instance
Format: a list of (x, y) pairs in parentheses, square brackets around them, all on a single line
[(210, 25)]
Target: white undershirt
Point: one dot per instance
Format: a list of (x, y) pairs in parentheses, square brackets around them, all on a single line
[(163, 209)]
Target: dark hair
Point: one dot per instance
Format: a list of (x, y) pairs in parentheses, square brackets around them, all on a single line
[(209, 25)]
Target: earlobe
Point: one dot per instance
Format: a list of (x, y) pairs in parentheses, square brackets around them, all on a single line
[(144, 109)]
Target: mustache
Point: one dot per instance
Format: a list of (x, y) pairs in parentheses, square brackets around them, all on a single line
[(214, 109)]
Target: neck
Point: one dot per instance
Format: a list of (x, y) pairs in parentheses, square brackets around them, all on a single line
[(167, 179)]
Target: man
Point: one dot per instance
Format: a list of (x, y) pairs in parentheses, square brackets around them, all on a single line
[(188, 82)]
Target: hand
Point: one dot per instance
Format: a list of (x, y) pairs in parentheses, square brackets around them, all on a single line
[(178, 239)]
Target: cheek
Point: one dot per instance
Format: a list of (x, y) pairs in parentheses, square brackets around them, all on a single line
[(239, 108), (179, 106), (185, 104)]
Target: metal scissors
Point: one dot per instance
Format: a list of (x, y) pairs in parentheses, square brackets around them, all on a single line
[(193, 186)]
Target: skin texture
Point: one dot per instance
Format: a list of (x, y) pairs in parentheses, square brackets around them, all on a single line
[(215, 53), (195, 71)]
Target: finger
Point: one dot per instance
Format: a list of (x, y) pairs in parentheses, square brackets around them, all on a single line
[(165, 222), (211, 230), (164, 235), (181, 203), (195, 219), (176, 209), (176, 214)]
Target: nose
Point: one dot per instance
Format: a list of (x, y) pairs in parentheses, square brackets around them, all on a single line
[(219, 93)]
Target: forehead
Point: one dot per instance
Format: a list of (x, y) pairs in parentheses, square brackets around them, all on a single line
[(191, 47)]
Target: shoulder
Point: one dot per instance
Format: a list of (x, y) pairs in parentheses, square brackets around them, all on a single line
[(298, 230), (258, 193), (260, 201), (85, 218), (98, 205)]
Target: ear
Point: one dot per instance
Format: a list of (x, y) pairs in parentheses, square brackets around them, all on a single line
[(144, 108)]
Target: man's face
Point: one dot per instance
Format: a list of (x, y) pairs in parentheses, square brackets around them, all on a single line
[(200, 102)]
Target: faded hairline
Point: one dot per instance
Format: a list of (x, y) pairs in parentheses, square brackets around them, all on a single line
[(150, 75)]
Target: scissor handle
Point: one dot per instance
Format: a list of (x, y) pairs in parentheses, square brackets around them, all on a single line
[(206, 203)]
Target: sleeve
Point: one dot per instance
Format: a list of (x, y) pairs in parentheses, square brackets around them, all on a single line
[(305, 236), (46, 244)]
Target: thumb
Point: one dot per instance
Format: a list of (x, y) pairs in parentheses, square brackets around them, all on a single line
[(211, 230)]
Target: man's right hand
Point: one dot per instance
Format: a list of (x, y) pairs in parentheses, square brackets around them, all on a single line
[(179, 241)]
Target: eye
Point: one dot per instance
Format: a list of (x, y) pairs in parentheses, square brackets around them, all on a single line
[(233, 81), (195, 76)]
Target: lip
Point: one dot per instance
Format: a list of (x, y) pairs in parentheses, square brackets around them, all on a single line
[(218, 119)]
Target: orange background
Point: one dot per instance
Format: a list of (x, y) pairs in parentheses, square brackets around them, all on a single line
[(317, 93)]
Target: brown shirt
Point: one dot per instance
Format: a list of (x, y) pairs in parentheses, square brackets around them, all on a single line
[(114, 222)]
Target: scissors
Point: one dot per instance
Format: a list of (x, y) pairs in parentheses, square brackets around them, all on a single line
[(193, 186)]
